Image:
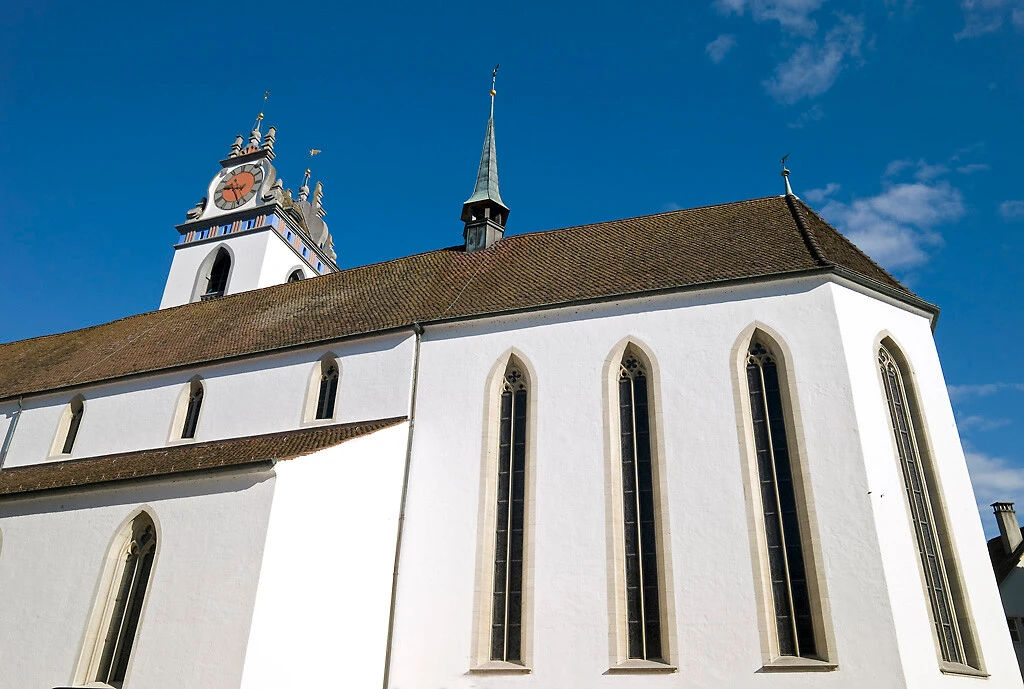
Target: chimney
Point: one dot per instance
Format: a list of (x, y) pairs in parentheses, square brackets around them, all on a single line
[(1009, 527)]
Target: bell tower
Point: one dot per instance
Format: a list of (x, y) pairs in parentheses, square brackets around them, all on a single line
[(484, 213), (248, 231)]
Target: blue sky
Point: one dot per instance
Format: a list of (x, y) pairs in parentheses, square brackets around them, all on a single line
[(904, 120)]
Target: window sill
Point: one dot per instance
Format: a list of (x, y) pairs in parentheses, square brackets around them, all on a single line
[(501, 667), (635, 665), (961, 670), (795, 664)]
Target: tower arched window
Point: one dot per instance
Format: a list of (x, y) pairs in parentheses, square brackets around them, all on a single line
[(640, 541), (67, 430), (192, 409), (781, 507), (327, 392), (947, 607), (510, 517), (296, 275), (218, 281), (119, 609)]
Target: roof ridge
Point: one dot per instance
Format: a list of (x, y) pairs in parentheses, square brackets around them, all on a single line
[(850, 243)]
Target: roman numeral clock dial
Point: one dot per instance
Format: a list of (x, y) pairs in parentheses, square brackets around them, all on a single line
[(238, 187)]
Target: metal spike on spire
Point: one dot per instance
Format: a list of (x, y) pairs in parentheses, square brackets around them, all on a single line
[(487, 173), (785, 176)]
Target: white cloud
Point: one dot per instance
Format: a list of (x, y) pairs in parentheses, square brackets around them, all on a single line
[(995, 479), (792, 15), (926, 172), (1012, 210), (819, 195), (976, 422), (971, 168), (814, 67), (896, 167), (813, 114), (720, 47), (961, 392), (985, 16), (896, 227)]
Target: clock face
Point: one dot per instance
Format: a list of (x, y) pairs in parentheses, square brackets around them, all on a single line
[(238, 186)]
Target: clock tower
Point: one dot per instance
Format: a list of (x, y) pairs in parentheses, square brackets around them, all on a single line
[(248, 231)]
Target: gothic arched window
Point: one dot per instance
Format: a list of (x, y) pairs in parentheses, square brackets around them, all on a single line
[(121, 605), (643, 609), (510, 517), (218, 282), (328, 390), (780, 507), (296, 275), (937, 561), (192, 409), (70, 423)]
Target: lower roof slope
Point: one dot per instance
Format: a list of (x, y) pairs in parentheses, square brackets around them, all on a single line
[(747, 239), (180, 459)]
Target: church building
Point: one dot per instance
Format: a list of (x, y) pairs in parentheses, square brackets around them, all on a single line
[(704, 448)]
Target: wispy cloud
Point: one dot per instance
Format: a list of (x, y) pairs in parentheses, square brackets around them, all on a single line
[(985, 16), (720, 47), (792, 15), (923, 170), (897, 226), (819, 195), (959, 393), (814, 67), (995, 479), (971, 168), (977, 422), (1012, 210), (812, 114)]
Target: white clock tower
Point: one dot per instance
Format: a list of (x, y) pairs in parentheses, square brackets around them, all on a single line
[(248, 232)]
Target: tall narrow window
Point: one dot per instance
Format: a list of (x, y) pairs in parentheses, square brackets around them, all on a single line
[(328, 391), (218, 275), (794, 622), (507, 599), (76, 409), (936, 560), (120, 620), (643, 610), (195, 404)]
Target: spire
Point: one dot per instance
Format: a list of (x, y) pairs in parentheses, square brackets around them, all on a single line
[(485, 206), (785, 176)]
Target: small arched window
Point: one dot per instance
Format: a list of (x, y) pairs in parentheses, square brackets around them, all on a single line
[(296, 275), (510, 519), (195, 405), (781, 509), (643, 609), (218, 281), (120, 607), (948, 612), (77, 409), (328, 390)]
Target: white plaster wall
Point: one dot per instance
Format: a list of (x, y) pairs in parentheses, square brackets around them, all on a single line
[(196, 618), (863, 321), (249, 254), (321, 612), (280, 260), (691, 337), (245, 397)]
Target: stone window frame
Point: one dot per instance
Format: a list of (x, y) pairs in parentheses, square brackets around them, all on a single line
[(619, 661), (60, 436), (824, 634), (181, 410), (309, 407), (202, 280), (966, 620), (480, 652)]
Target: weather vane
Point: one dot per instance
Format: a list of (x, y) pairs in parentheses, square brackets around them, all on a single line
[(783, 161), (494, 78)]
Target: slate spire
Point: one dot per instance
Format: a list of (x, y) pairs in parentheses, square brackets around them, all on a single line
[(484, 213)]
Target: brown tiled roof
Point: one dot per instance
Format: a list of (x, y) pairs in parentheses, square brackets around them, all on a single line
[(679, 249), (179, 459)]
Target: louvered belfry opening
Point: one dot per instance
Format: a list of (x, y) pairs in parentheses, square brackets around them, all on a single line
[(136, 564), (219, 275), (794, 623), (510, 518), (643, 609), (937, 564)]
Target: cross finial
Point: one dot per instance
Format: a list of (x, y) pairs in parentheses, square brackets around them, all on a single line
[(494, 78)]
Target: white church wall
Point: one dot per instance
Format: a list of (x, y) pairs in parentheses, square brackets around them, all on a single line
[(715, 639), (195, 621), (245, 397), (864, 322), (279, 261), (321, 611)]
